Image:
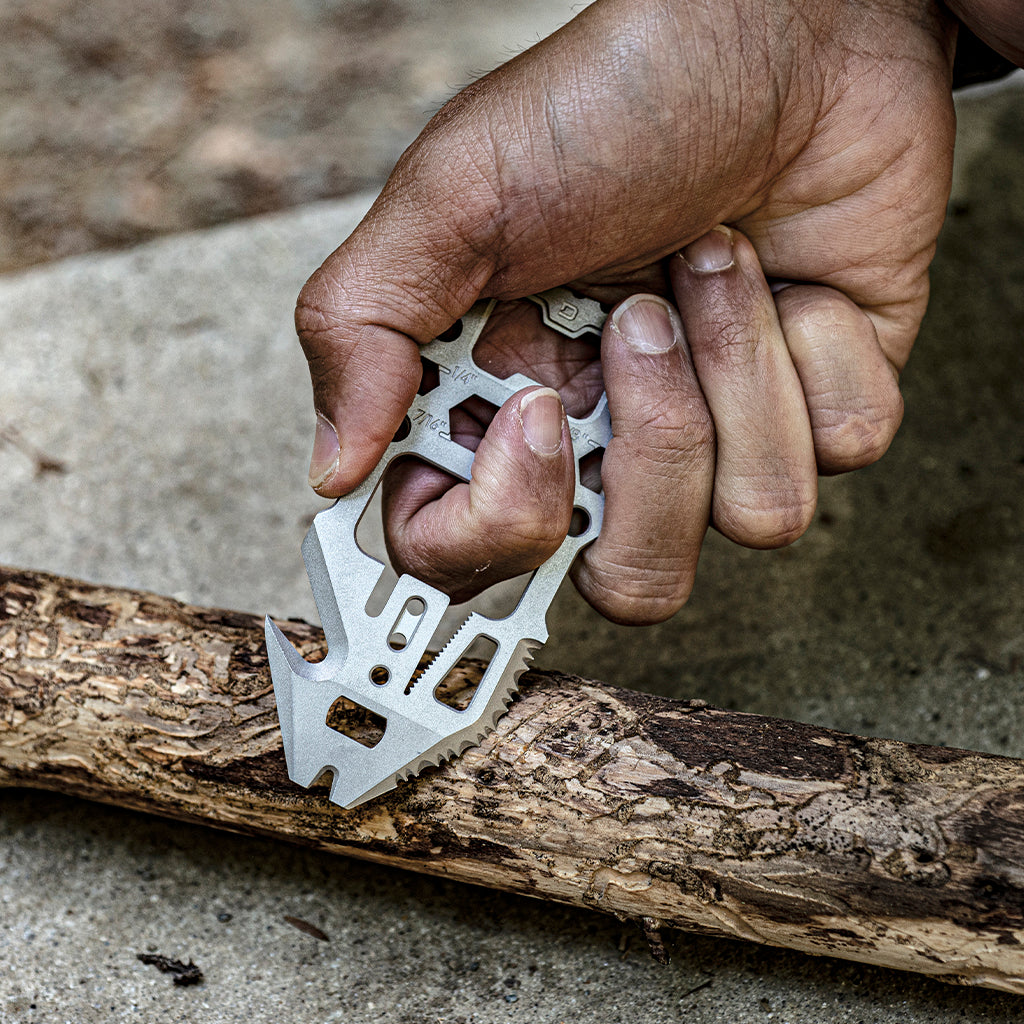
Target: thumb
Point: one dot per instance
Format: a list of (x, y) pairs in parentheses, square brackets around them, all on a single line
[(511, 516), (398, 281)]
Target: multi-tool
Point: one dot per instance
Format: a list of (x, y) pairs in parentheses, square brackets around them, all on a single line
[(373, 659)]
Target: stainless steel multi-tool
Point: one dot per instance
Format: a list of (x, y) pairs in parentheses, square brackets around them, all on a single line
[(372, 659)]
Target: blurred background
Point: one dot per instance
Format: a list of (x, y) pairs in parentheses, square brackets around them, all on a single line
[(122, 120)]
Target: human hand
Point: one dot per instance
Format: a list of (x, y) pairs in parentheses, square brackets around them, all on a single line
[(821, 133)]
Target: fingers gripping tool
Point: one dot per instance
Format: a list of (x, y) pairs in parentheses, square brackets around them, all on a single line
[(372, 659)]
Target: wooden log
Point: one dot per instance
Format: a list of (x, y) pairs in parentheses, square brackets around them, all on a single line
[(666, 812)]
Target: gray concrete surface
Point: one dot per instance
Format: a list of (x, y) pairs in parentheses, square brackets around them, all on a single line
[(166, 382)]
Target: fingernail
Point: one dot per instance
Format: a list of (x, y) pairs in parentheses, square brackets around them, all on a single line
[(711, 253), (541, 415), (326, 452), (648, 324)]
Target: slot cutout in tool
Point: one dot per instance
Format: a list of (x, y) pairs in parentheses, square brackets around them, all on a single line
[(456, 690), (406, 623), (356, 722)]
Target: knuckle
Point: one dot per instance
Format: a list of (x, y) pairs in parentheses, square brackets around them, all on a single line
[(424, 553), (677, 432), (820, 312), (636, 595), (523, 520), (408, 555), (847, 439), (481, 205), (316, 311), (823, 320), (771, 519), (459, 582), (732, 328), (531, 530), (730, 344), (644, 610)]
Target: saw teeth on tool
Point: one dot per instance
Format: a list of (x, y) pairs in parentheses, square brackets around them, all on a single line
[(373, 660)]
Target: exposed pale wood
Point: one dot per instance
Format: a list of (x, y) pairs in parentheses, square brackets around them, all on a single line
[(660, 811)]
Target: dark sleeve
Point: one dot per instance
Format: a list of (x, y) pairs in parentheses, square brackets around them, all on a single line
[(976, 62)]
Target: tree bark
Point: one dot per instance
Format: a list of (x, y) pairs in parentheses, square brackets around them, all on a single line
[(666, 812)]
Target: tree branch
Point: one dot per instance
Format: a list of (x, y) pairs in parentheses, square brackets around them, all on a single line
[(655, 810)]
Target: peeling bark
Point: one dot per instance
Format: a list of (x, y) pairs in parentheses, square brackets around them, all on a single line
[(670, 813)]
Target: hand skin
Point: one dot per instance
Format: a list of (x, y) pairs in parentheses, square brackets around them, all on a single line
[(1000, 23), (606, 157)]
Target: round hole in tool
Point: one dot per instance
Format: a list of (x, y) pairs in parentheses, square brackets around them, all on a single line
[(580, 522), (396, 642), (379, 675)]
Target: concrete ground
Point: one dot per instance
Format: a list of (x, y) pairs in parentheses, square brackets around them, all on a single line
[(154, 427)]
